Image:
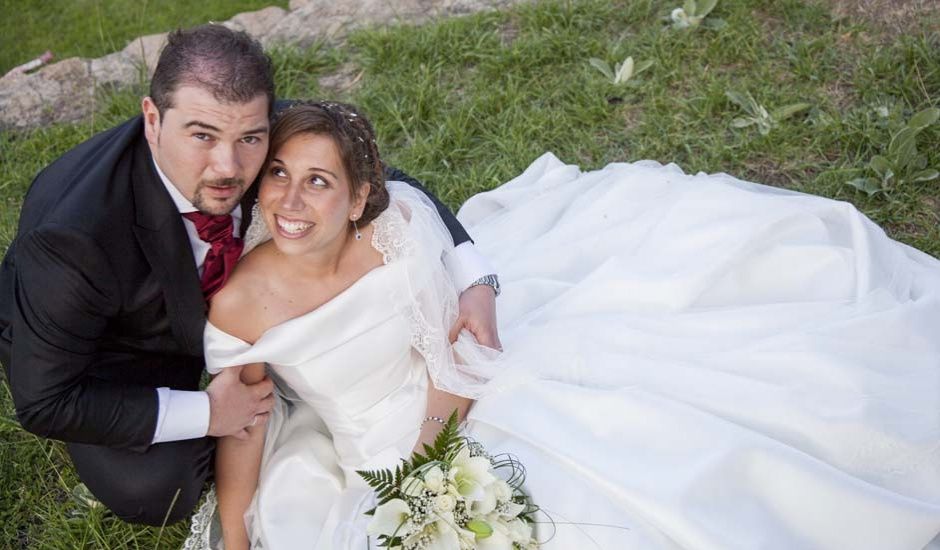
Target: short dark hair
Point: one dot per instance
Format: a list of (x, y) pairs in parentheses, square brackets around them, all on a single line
[(354, 138), (231, 65)]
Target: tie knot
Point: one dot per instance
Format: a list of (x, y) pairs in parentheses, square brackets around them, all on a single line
[(211, 228)]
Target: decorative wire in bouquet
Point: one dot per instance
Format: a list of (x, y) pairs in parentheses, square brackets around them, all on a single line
[(455, 496)]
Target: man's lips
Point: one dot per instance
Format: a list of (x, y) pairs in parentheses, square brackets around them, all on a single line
[(222, 191)]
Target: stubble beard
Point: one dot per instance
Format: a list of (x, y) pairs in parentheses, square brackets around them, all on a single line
[(217, 207)]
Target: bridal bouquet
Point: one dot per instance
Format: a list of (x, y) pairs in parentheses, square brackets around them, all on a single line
[(452, 497)]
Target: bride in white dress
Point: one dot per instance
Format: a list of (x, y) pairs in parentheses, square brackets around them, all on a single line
[(690, 362)]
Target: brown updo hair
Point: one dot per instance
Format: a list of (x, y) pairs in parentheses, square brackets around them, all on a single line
[(354, 138)]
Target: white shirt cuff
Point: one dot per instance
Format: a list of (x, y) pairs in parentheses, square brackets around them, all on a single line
[(182, 415), (465, 264)]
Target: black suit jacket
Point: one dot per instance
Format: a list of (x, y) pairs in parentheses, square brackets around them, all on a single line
[(99, 295)]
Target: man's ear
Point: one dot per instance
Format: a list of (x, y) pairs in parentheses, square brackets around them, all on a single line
[(151, 120)]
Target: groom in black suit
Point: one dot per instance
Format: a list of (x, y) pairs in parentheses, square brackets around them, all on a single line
[(121, 242)]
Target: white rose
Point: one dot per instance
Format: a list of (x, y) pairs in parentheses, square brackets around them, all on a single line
[(444, 503), (434, 480)]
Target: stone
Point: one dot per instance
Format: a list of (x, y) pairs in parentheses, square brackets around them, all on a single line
[(65, 91), (144, 51), (61, 92), (257, 23), (115, 71)]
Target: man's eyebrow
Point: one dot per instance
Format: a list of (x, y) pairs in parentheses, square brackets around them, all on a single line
[(201, 124), (206, 126)]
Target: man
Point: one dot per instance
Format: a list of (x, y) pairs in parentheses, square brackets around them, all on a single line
[(121, 242)]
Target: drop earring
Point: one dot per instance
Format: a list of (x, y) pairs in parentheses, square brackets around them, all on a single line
[(356, 227)]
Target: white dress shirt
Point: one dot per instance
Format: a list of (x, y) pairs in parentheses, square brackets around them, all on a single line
[(185, 414)]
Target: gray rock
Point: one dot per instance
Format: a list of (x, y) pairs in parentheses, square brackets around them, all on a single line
[(61, 92), (257, 23), (65, 91), (327, 20), (115, 70), (144, 52)]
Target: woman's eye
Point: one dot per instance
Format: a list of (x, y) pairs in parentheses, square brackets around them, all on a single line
[(318, 182), (277, 172)]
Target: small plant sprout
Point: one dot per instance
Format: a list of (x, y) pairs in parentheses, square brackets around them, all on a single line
[(623, 72), (758, 115), (901, 164), (692, 13)]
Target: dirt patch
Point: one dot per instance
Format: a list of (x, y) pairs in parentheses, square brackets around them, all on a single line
[(894, 17), (341, 82)]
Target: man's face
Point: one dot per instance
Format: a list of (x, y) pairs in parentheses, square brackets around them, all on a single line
[(210, 150)]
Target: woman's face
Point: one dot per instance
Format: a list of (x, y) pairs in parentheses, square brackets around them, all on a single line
[(305, 196)]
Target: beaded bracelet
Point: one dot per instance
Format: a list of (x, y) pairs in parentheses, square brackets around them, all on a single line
[(437, 419)]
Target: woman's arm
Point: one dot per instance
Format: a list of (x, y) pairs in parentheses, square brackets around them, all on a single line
[(237, 467), (441, 405)]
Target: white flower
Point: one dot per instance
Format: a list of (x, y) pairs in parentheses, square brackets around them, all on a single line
[(470, 474), (444, 503), (485, 505), (434, 480), (502, 490), (512, 509), (679, 18), (520, 531), (498, 540), (443, 534), (389, 517)]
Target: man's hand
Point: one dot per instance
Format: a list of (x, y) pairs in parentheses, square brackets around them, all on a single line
[(478, 315), (235, 406)]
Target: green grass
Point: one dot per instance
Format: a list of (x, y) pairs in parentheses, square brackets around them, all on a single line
[(466, 104), (92, 28)]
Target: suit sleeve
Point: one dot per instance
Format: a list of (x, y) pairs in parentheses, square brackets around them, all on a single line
[(65, 294), (456, 230)]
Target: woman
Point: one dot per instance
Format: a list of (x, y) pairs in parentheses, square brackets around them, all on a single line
[(690, 361)]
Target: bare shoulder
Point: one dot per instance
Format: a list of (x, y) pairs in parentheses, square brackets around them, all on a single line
[(236, 308)]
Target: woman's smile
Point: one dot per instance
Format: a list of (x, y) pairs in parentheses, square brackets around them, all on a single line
[(291, 228)]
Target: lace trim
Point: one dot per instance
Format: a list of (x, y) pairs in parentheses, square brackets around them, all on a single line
[(200, 530), (391, 238), (389, 232), (257, 231)]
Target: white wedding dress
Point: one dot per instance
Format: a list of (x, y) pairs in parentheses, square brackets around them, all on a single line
[(690, 362)]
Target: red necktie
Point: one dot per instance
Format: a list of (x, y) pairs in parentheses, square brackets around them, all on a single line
[(224, 252)]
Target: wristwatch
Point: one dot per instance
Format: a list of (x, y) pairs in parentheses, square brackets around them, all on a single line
[(490, 280)]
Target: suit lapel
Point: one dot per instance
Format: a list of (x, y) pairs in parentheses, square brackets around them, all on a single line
[(162, 236)]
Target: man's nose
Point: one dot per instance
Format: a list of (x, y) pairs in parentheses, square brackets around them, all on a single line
[(225, 161)]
